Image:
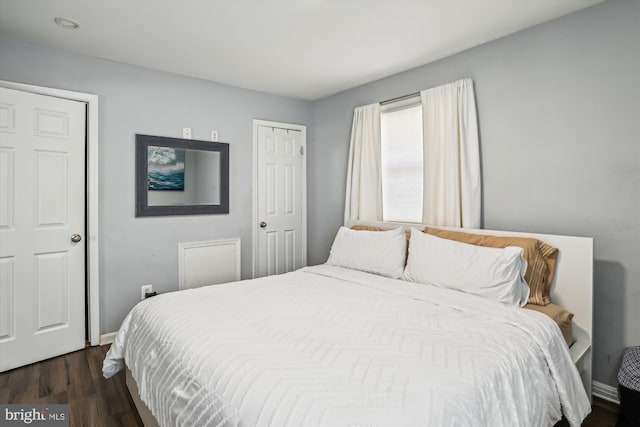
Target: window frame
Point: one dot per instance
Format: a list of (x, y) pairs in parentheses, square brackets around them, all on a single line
[(391, 107)]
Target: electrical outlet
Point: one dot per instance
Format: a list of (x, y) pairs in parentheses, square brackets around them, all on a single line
[(145, 289), (186, 133), (214, 135)]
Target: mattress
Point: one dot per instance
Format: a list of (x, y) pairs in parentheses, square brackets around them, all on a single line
[(331, 346)]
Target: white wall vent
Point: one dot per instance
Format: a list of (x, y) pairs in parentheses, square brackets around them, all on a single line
[(208, 263)]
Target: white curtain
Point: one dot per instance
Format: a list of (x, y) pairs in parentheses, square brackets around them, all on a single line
[(452, 189), (364, 183)]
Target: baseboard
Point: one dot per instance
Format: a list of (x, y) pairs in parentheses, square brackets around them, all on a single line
[(108, 338), (605, 391)]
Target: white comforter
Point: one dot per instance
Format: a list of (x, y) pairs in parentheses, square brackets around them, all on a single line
[(330, 346)]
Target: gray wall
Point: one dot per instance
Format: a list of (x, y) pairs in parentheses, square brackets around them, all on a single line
[(559, 111), (134, 251)]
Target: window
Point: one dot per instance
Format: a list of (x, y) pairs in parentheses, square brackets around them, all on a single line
[(402, 162)]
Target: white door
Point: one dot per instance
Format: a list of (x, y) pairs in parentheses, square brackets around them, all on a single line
[(281, 190), (42, 225)]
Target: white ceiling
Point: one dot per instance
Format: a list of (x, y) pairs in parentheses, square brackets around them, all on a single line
[(299, 48)]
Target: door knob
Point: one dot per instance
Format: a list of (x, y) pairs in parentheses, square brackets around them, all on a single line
[(75, 238), (263, 224)]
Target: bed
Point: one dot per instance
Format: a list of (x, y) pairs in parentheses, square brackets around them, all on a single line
[(328, 345)]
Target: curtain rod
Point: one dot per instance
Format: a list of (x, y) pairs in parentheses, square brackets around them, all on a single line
[(400, 98)]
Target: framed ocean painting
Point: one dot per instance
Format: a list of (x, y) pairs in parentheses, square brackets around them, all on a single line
[(165, 169)]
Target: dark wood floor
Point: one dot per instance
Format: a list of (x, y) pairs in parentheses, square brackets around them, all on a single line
[(603, 414), (76, 379)]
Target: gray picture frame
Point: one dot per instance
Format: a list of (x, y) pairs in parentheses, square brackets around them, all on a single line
[(143, 142)]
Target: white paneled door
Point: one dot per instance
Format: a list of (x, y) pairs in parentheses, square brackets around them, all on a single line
[(281, 244), (42, 226)]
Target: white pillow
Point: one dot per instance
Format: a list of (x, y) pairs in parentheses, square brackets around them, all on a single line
[(378, 252), (494, 273)]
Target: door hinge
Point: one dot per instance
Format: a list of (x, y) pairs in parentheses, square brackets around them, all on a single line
[(301, 150)]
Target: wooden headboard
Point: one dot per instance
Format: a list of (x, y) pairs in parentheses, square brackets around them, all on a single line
[(572, 286)]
